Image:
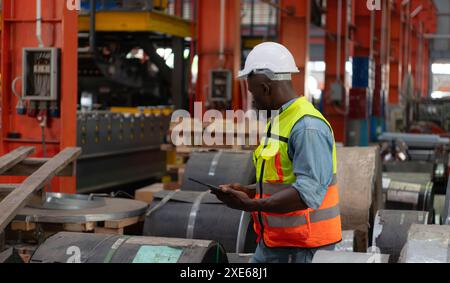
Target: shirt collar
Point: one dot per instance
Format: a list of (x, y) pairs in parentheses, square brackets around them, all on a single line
[(287, 104)]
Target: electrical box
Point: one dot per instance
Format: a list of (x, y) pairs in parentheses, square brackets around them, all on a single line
[(40, 74), (221, 85), (337, 92)]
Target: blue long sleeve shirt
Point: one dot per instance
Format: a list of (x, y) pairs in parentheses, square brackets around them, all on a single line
[(311, 151)]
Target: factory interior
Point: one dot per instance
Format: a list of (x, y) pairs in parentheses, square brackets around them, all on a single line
[(123, 120)]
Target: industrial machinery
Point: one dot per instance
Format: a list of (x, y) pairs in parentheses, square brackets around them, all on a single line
[(435, 111), (420, 146), (118, 66), (120, 148), (408, 190), (417, 153)]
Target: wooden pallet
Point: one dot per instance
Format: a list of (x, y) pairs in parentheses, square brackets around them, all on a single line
[(115, 227), (187, 150), (39, 172), (25, 251)]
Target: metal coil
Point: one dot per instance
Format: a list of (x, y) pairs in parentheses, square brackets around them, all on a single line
[(98, 248), (391, 230), (200, 215), (348, 257), (219, 168)]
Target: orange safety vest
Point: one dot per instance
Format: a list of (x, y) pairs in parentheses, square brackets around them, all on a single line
[(304, 228)]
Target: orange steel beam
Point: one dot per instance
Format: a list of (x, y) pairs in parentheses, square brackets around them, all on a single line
[(423, 21), (360, 97), (294, 34), (396, 58), (178, 8), (208, 45), (69, 93), (382, 47), (59, 29), (337, 114), (416, 46), (406, 32), (428, 20), (363, 31)]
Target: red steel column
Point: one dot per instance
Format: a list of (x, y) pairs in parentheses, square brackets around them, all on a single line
[(59, 29), (361, 91), (429, 20), (396, 58), (294, 34), (382, 55), (336, 112), (208, 45)]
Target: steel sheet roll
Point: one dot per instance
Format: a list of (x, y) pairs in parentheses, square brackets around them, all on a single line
[(219, 168), (2, 240), (348, 242), (67, 247), (200, 215), (114, 209), (427, 244), (408, 191), (447, 206), (348, 257), (391, 230), (360, 192), (239, 258)]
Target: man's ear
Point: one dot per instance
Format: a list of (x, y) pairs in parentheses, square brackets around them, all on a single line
[(266, 88)]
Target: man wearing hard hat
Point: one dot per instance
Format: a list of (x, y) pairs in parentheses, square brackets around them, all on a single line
[(295, 204)]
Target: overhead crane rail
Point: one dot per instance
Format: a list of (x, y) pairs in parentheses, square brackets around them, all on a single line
[(135, 21)]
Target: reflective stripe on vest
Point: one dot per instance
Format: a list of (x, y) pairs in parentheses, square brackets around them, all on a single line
[(294, 221), (273, 188)]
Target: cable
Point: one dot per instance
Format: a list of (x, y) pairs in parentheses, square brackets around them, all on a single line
[(44, 144), (122, 193), (339, 42), (13, 86)]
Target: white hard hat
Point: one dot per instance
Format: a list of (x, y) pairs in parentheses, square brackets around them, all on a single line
[(272, 57)]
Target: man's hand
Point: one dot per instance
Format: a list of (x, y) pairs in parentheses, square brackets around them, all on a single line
[(238, 187), (236, 198)]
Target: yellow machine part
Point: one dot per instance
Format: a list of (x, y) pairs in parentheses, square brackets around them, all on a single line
[(160, 4)]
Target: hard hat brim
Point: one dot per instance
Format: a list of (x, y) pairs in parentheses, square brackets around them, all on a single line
[(243, 74)]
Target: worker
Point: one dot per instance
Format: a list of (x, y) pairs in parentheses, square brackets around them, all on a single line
[(295, 203)]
